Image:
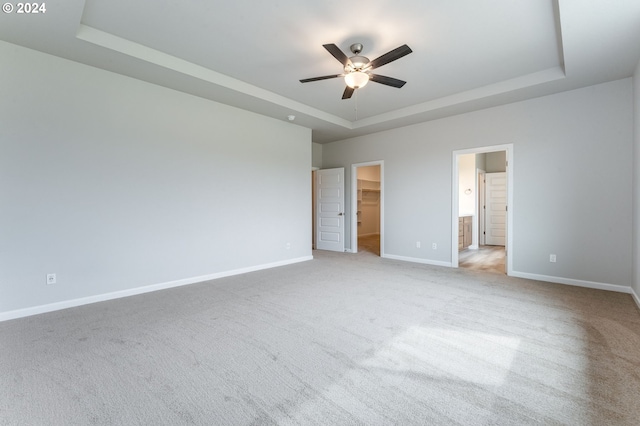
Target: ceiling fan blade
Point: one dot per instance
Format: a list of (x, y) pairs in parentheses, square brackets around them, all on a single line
[(389, 81), (324, 77), (348, 91), (396, 53), (337, 53)]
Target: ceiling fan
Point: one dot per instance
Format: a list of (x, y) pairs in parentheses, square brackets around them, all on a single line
[(357, 69)]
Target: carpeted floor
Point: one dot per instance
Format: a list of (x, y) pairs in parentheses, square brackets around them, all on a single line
[(340, 340)]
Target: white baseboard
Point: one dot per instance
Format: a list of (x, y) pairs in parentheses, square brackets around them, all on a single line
[(417, 260), (35, 310), (570, 281)]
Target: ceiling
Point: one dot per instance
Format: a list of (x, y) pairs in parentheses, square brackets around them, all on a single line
[(466, 55)]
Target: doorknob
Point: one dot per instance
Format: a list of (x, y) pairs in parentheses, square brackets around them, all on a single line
[(340, 214)]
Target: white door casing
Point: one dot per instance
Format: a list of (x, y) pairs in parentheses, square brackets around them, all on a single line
[(495, 208), (330, 209), (480, 209)]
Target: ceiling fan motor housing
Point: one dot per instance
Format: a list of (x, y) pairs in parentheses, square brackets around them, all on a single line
[(356, 48)]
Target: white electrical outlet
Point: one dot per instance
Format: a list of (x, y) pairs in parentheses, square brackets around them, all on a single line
[(288, 246), (51, 278), (552, 258), (417, 244), (434, 246)]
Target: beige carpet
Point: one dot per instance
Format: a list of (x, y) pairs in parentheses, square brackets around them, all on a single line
[(341, 340)]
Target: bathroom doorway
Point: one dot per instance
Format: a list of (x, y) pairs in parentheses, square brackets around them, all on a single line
[(483, 179)]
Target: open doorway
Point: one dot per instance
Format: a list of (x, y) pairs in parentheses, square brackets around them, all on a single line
[(482, 221), (489, 253), (368, 212)]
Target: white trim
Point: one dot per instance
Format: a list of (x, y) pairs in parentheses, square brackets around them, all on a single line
[(156, 57), (536, 277), (455, 200), (35, 310), (354, 204), (635, 297), (478, 230), (573, 282), (417, 260)]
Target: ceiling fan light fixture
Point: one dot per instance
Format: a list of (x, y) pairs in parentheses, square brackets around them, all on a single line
[(356, 79)]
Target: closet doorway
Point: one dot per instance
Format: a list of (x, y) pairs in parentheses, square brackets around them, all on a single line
[(367, 200)]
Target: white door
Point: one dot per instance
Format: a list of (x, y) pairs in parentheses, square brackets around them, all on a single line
[(495, 208), (330, 205)]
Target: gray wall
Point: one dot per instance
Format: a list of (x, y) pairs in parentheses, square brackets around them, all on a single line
[(572, 181), (481, 161), (114, 184), (636, 184), (496, 162), (316, 155)]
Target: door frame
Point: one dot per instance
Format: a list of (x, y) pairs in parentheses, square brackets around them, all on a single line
[(314, 194), (478, 230), (455, 202), (354, 204)]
